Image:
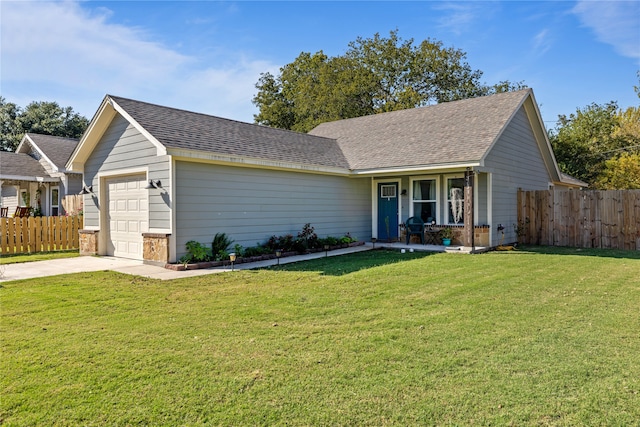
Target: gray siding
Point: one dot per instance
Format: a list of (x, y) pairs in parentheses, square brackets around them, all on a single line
[(481, 203), (123, 147), (250, 205), (517, 163)]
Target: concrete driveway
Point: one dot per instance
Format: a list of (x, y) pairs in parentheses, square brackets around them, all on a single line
[(30, 270)]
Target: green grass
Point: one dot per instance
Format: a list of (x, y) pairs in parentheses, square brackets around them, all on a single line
[(38, 256), (535, 337)]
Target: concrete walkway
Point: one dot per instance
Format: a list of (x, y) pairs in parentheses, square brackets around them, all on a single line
[(30, 270)]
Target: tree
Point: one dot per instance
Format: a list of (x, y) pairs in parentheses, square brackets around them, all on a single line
[(375, 75), (620, 173), (10, 132), (46, 118), (581, 141), (599, 145)]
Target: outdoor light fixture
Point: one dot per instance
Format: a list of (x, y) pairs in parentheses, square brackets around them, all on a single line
[(86, 190), (278, 255), (403, 192), (232, 258), (374, 240), (326, 251), (153, 183)]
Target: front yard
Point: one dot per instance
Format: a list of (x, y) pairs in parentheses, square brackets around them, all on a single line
[(535, 337)]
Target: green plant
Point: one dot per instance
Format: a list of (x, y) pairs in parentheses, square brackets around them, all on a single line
[(220, 246), (308, 236), (238, 250), (256, 251), (196, 252), (446, 233), (329, 240), (346, 239)]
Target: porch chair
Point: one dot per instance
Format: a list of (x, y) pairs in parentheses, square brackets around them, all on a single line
[(4, 212), (22, 212), (415, 226)]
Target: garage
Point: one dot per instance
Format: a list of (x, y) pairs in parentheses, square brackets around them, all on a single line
[(128, 215)]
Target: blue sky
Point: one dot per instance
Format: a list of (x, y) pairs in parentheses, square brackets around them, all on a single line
[(206, 56)]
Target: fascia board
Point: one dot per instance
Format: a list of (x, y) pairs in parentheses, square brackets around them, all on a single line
[(22, 142), (535, 120), (225, 159), (28, 178), (417, 169), (506, 125), (95, 130), (542, 137), (160, 148), (43, 156)]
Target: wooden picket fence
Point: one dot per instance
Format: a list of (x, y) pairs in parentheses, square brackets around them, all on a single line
[(585, 219), (40, 234)]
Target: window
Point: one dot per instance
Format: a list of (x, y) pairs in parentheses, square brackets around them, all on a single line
[(455, 200), (388, 191), (55, 201), (424, 199), (24, 198)]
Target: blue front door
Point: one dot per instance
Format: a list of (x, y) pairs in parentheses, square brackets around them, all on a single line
[(388, 211)]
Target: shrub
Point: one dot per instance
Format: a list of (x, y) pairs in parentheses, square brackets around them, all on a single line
[(256, 251), (239, 250), (308, 237), (286, 243), (196, 252), (220, 246)]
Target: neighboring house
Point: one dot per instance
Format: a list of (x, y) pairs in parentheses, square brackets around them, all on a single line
[(36, 176), (163, 176)]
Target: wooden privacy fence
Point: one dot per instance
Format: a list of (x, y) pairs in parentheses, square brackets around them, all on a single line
[(586, 219), (40, 234)]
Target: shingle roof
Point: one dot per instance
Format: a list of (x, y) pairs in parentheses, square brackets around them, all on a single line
[(451, 132), (182, 129), (20, 165), (56, 148)]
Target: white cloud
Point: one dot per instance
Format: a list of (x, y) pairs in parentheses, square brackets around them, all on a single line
[(541, 42), (460, 16), (614, 22), (66, 51)]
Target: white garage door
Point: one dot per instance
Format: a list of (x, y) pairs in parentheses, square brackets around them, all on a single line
[(128, 215)]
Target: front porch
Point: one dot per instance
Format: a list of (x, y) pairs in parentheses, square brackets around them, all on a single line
[(458, 249)]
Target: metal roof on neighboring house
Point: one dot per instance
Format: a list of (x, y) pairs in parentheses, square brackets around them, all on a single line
[(180, 129), (447, 133)]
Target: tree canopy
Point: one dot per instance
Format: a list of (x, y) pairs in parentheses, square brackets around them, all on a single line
[(46, 118), (600, 144), (375, 75)]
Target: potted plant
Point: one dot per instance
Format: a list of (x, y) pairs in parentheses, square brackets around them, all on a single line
[(446, 234)]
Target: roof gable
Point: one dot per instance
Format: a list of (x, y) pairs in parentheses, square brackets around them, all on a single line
[(180, 132), (55, 150), (180, 129), (449, 133)]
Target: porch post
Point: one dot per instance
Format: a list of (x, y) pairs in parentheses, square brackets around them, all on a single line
[(468, 234)]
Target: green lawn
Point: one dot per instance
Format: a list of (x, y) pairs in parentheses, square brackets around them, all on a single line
[(534, 337), (38, 256)]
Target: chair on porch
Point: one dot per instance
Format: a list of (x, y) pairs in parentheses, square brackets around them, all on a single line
[(415, 226), (22, 212), (4, 212)]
